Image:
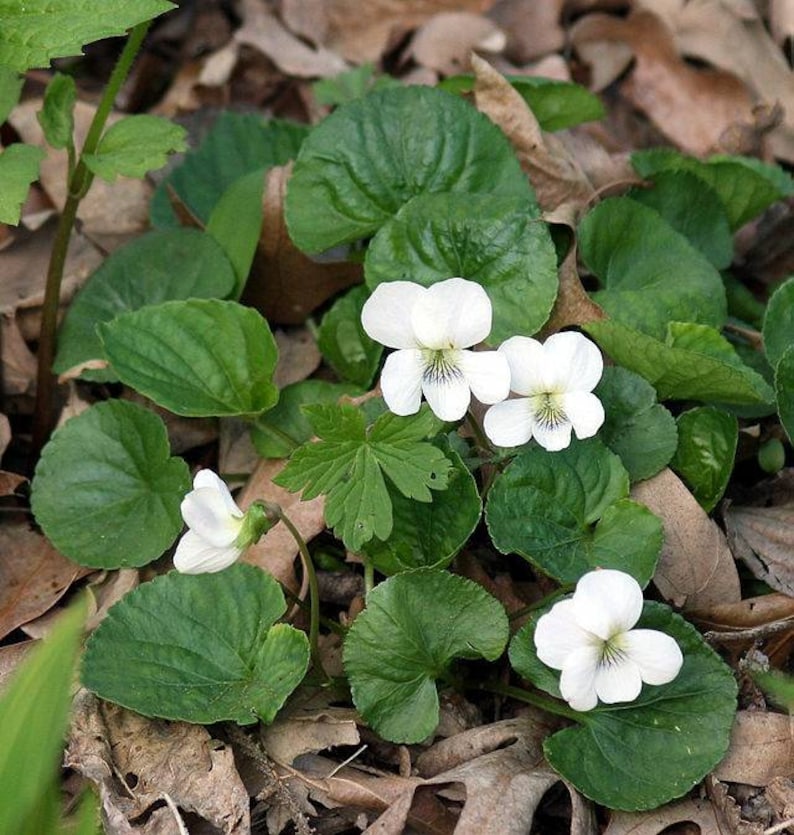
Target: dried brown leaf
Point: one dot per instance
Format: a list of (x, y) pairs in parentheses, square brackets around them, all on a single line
[(763, 538), (262, 30), (572, 306), (533, 29), (5, 433), (285, 285), (556, 176), (10, 657), (753, 612), (693, 107), (154, 758), (445, 42), (297, 732), (17, 362), (504, 783), (727, 813), (689, 817), (34, 575), (696, 569), (761, 748), (365, 31), (781, 19)]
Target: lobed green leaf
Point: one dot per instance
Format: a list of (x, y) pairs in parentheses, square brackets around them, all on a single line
[(19, 167)]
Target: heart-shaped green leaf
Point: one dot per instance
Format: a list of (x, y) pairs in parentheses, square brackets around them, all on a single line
[(784, 390), (157, 267), (200, 358), (650, 273), (199, 647), (543, 507), (501, 243), (367, 159), (399, 645), (641, 754), (106, 492), (779, 322)]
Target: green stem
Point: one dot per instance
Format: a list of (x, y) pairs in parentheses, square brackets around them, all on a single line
[(482, 440), (539, 604), (369, 576), (314, 590), (535, 699), (79, 183)]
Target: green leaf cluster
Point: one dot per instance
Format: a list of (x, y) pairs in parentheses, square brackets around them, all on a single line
[(779, 347), (350, 465)]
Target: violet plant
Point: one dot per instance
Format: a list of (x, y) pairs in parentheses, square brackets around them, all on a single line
[(461, 276)]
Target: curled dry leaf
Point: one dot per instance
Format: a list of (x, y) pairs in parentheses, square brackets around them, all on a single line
[(5, 434), (501, 767), (555, 175), (262, 30), (763, 538), (35, 575), (297, 732), (572, 306), (155, 758), (365, 31), (733, 37), (10, 658), (693, 107), (285, 285), (533, 29), (445, 42), (761, 748), (727, 813), (696, 569), (696, 815)]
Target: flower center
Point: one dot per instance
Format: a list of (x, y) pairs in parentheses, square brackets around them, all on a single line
[(441, 366), (613, 650), (548, 410)]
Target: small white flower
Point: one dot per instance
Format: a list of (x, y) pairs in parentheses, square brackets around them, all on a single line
[(556, 379), (215, 525), (590, 638), (431, 327)]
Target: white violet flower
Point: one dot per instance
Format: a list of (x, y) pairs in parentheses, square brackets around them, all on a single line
[(215, 522), (589, 636), (432, 327), (556, 380)]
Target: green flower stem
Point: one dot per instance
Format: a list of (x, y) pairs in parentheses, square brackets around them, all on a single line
[(369, 576), (482, 440), (539, 604), (534, 699), (79, 183), (314, 590)]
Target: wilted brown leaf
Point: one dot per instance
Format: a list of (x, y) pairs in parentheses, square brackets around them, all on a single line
[(10, 656), (763, 538), (727, 813), (445, 42), (533, 29), (761, 748), (556, 176), (155, 758), (696, 569), (296, 732), (364, 31), (572, 306), (691, 106), (34, 575), (733, 37), (685, 817), (285, 285), (505, 778), (262, 30)]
